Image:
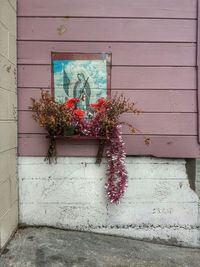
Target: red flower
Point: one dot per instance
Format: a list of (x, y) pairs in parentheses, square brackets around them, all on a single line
[(70, 103), (102, 109), (101, 101), (95, 105), (74, 100), (80, 113)]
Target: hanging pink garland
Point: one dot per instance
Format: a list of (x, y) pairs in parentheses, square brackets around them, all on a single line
[(116, 172)]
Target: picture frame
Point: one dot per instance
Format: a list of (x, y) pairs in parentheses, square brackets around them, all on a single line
[(83, 75)]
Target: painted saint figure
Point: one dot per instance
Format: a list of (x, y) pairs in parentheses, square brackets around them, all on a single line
[(82, 91)]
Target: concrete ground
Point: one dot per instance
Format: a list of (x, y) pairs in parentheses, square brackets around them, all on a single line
[(47, 247)]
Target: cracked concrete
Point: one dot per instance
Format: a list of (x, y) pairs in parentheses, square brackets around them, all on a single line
[(48, 247)]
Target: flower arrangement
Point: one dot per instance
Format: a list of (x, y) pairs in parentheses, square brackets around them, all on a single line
[(101, 120)]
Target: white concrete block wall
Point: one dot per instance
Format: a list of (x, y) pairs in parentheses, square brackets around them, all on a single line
[(158, 205), (8, 121)]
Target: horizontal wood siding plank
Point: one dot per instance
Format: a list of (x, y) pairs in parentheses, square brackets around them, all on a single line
[(95, 29), (160, 146), (146, 123), (147, 100), (162, 100), (122, 77), (155, 54), (154, 78), (108, 8)]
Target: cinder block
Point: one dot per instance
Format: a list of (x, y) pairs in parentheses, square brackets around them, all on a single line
[(13, 4), (4, 197), (8, 16), (8, 105), (12, 106), (3, 104), (12, 48), (8, 164), (13, 188), (8, 135), (8, 224), (8, 74), (4, 41)]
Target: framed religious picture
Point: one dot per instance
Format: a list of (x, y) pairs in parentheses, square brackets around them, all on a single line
[(82, 75)]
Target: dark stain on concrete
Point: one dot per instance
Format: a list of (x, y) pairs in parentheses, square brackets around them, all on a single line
[(40, 260), (6, 250), (191, 173), (30, 238)]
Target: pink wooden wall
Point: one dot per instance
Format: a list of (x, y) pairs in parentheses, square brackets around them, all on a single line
[(153, 45)]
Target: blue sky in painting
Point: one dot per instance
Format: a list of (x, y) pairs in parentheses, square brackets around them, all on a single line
[(57, 64)]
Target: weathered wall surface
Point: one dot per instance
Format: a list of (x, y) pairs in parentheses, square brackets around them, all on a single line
[(154, 52), (158, 205), (154, 62), (8, 121)]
